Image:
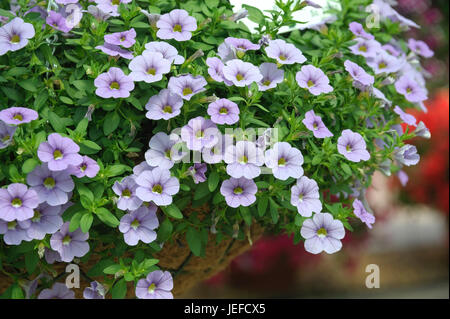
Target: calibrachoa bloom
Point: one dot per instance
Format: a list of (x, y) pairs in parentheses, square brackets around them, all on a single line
[(315, 124), (162, 152), (17, 202), (360, 211), (197, 172), (139, 225), (284, 53), (126, 190), (385, 63), (59, 152), (200, 133), (244, 160), (241, 45), (239, 191), (123, 38), (215, 70), (14, 35), (115, 50), (157, 285), (168, 52), (313, 79), (165, 105), (305, 196), (110, 6), (46, 220), (284, 160), (223, 111), (58, 291), (52, 187), (422, 131), (88, 167), (392, 50), (407, 118), (6, 134), (322, 233), (407, 155), (177, 24), (358, 73), (66, 1), (412, 91), (157, 186), (241, 73), (149, 67), (352, 146), (187, 85), (57, 21), (113, 83), (14, 232), (420, 47), (95, 291), (69, 244), (358, 30), (366, 48), (272, 75), (18, 115), (226, 52)]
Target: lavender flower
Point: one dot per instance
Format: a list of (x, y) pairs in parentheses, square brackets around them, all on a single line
[(157, 285), (98, 13), (113, 83), (241, 45), (352, 146), (88, 167), (313, 79), (168, 52), (95, 291), (403, 177), (51, 186), (17, 202), (139, 225), (358, 73), (305, 196), (358, 30), (57, 21), (59, 152), (110, 6), (407, 155), (51, 256), (422, 131), (223, 111), (6, 134), (123, 38), (392, 50), (385, 63), (244, 160), (149, 67), (58, 291), (226, 52), (283, 52), (215, 154), (163, 152), (157, 186), (322, 233), (271, 76), (315, 124), (14, 232), (407, 118), (18, 115), (412, 91), (360, 212), (187, 85), (177, 24), (239, 191), (126, 190), (197, 172), (69, 244), (284, 160), (215, 70), (241, 73), (143, 166), (366, 48), (165, 105), (200, 133), (14, 35), (115, 50), (66, 1), (380, 95), (420, 47), (46, 220)]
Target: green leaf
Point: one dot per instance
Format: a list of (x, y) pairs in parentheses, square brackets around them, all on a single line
[(86, 202), (75, 221), (92, 145), (262, 205), (201, 191), (28, 85), (83, 85), (346, 168), (66, 100), (172, 211), (56, 122), (194, 241), (29, 165), (140, 24), (317, 159), (113, 269), (111, 122), (86, 222), (6, 13), (254, 14), (119, 290), (246, 215), (31, 261), (82, 126), (213, 181), (274, 211), (165, 230), (115, 170), (107, 217), (17, 292)]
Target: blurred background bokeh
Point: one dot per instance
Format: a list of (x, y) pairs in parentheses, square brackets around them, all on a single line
[(409, 241)]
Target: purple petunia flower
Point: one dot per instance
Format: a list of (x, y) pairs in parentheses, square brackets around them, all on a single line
[(392, 50), (88, 167), (6, 134), (215, 70), (149, 67), (241, 73), (98, 13), (244, 160), (223, 111), (200, 133), (115, 50), (239, 191), (51, 256), (315, 124), (305, 196), (177, 24), (241, 45), (66, 1), (139, 225), (366, 48), (272, 75), (322, 233), (187, 85), (14, 35), (358, 30), (51, 186), (352, 146), (407, 155), (360, 211), (215, 154), (113, 83), (95, 291), (57, 21), (226, 52), (69, 244), (18, 115), (59, 152), (422, 131), (197, 172), (385, 63), (380, 95), (412, 91), (162, 152), (58, 291), (123, 38), (407, 118), (420, 47), (157, 186), (313, 79), (157, 285), (284, 53), (14, 232), (46, 220), (126, 190), (358, 73), (143, 166), (110, 6), (168, 52), (165, 105), (284, 160), (17, 202)]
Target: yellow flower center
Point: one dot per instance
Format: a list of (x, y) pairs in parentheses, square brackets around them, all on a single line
[(243, 159), (187, 91), (300, 197), (266, 83), (12, 225), (114, 85), (239, 77), (83, 167), (122, 38), (199, 134), (151, 288), (223, 110), (66, 240), (126, 193), (57, 155), (322, 232), (15, 39), (282, 57), (315, 126), (238, 190), (49, 182), (135, 224), (408, 90), (157, 189), (177, 28), (18, 117), (363, 48), (16, 202), (348, 148), (151, 71), (310, 83), (37, 216), (382, 65), (167, 109), (281, 161)]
